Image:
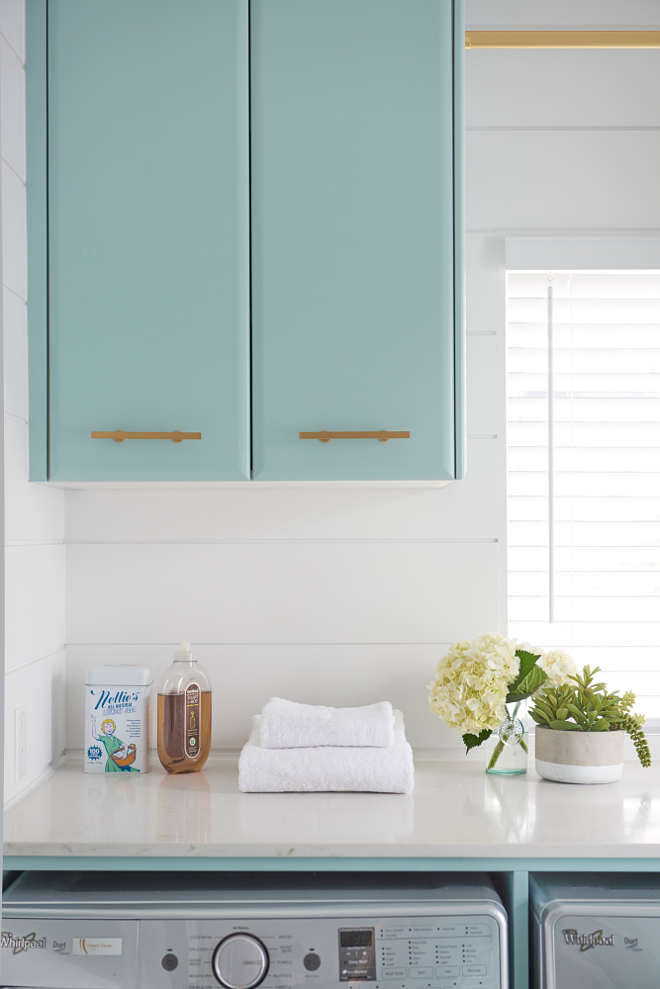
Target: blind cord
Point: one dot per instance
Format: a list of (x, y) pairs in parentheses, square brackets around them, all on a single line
[(551, 465)]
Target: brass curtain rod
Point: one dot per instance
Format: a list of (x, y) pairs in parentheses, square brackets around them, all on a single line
[(562, 39)]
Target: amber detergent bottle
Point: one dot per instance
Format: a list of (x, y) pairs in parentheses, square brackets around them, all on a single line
[(184, 714)]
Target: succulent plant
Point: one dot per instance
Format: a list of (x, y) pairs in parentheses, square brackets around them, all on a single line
[(582, 705)]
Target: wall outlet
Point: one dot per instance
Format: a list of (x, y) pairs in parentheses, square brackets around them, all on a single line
[(20, 742)]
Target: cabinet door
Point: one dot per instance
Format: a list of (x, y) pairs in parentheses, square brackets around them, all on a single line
[(352, 237), (148, 257)]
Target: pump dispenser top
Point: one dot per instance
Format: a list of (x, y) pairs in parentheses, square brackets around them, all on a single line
[(185, 655)]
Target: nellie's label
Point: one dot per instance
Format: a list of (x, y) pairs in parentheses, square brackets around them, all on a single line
[(117, 729), (193, 720)]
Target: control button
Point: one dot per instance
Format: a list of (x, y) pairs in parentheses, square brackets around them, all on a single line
[(394, 973), (474, 970), (169, 962), (240, 961), (447, 971), (421, 973), (311, 962)]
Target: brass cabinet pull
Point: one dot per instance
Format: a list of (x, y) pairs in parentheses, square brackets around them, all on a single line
[(562, 39), (382, 434), (119, 436)]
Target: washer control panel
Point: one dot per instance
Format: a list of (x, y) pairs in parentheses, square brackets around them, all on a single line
[(396, 953)]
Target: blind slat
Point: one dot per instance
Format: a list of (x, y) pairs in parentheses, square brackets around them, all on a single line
[(640, 460), (602, 584), (590, 559), (600, 285), (587, 609), (579, 534), (593, 434), (597, 409), (586, 311), (595, 337), (570, 635), (528, 484)]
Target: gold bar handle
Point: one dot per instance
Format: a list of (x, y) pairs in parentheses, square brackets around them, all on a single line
[(382, 434), (562, 39), (119, 436)]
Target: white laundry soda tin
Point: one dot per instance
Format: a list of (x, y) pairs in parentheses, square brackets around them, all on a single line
[(117, 719)]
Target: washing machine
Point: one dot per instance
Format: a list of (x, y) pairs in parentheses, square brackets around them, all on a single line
[(95, 930), (594, 931)]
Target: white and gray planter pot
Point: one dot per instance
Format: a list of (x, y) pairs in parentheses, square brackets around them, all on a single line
[(579, 756)]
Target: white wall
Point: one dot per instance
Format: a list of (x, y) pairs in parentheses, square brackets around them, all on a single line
[(326, 596), (34, 515), (348, 596)]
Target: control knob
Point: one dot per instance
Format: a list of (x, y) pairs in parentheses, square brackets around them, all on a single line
[(240, 961)]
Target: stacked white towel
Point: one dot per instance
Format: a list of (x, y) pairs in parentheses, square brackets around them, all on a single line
[(326, 765), (287, 725)]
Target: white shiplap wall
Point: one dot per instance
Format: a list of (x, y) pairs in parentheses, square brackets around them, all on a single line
[(345, 596), (34, 515)]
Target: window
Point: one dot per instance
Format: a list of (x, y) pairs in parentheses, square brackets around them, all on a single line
[(584, 470)]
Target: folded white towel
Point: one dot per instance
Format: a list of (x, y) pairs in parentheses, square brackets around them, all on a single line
[(373, 769), (287, 725)]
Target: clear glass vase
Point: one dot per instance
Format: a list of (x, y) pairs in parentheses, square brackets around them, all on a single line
[(506, 750)]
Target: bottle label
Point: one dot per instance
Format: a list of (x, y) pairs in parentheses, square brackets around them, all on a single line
[(193, 720)]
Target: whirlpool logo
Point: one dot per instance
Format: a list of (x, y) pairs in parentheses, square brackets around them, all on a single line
[(587, 941), (19, 944)]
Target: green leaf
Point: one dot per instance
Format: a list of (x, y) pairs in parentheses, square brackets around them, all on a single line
[(527, 685), (472, 741), (527, 664), (564, 726), (601, 725), (527, 659), (546, 702), (562, 713)]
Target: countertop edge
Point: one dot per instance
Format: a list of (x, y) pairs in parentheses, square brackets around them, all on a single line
[(362, 852)]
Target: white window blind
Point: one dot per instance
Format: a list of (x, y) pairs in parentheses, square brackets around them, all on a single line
[(594, 499)]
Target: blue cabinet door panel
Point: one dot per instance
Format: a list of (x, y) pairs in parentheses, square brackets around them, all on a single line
[(352, 237), (148, 241)]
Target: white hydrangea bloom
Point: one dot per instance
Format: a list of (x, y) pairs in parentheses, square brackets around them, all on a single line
[(557, 666), (471, 683)]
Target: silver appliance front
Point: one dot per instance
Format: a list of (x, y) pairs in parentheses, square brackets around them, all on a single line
[(240, 931), (596, 932)]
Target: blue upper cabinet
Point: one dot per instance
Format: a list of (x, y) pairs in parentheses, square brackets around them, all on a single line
[(244, 222), (355, 307), (147, 236)]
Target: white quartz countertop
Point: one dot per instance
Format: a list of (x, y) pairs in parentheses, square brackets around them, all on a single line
[(456, 811)]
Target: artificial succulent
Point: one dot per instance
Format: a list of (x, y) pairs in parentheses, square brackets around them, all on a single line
[(582, 705)]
